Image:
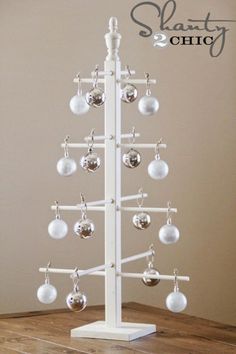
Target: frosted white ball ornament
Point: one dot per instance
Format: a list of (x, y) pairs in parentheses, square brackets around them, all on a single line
[(78, 104), (66, 166), (47, 293), (158, 169), (148, 105), (57, 228), (168, 233), (176, 301)]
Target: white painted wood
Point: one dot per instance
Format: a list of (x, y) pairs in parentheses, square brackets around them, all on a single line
[(125, 331), (77, 208), (142, 146), (112, 178), (148, 209), (69, 271), (160, 276), (137, 81), (88, 81), (103, 137), (83, 145), (133, 197)]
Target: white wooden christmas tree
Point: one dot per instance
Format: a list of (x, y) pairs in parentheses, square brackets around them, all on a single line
[(115, 81)]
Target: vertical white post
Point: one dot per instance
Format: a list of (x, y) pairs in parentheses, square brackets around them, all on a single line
[(112, 178)]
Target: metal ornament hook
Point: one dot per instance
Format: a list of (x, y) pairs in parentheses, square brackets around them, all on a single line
[(83, 207), (148, 89), (95, 77), (128, 72), (57, 211), (79, 91), (47, 273), (132, 139), (66, 150), (176, 286), (140, 200), (168, 214), (76, 278), (150, 259), (157, 149), (91, 140)]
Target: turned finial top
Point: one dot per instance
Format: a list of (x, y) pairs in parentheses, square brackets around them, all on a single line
[(113, 24)]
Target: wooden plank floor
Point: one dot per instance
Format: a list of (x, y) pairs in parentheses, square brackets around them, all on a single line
[(50, 333)]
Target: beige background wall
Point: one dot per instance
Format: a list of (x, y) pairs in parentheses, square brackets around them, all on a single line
[(42, 45)]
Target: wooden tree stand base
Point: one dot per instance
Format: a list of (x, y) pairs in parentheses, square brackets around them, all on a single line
[(126, 332)]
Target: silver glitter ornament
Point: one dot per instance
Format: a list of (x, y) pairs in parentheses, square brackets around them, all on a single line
[(90, 162), (95, 97), (132, 158), (76, 300), (150, 271), (84, 228), (141, 220), (129, 93)]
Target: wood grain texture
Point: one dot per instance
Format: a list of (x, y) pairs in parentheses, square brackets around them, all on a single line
[(49, 333)]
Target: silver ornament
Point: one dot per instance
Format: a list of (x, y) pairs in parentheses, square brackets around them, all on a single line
[(129, 93), (131, 159), (141, 220), (150, 271), (90, 162), (76, 301), (95, 97), (84, 228)]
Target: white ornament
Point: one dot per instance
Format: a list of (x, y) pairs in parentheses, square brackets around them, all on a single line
[(66, 166), (168, 234), (47, 293), (148, 105), (78, 105), (57, 228), (176, 301), (158, 169)]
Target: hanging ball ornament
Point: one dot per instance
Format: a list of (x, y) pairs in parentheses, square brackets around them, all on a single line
[(84, 228), (129, 93), (150, 271), (57, 229), (168, 233), (132, 158), (95, 97), (47, 293), (176, 301), (158, 169), (78, 105), (76, 300), (90, 162), (148, 105), (66, 166), (141, 220)]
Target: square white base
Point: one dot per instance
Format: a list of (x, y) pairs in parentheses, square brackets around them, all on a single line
[(127, 331)]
